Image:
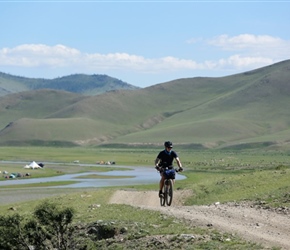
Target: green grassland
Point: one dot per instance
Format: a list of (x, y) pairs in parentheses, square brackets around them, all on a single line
[(213, 175), (231, 134), (130, 156), (255, 176), (92, 207)]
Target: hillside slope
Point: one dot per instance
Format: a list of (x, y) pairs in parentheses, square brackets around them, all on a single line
[(250, 108), (244, 108), (77, 83)]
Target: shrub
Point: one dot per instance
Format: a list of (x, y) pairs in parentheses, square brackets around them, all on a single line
[(49, 228)]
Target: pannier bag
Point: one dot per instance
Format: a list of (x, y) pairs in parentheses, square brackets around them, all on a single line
[(169, 174)]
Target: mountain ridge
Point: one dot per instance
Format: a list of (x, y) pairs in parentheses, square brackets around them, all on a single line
[(250, 108), (75, 83)]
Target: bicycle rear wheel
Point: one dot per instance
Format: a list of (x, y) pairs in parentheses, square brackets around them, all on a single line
[(169, 192)]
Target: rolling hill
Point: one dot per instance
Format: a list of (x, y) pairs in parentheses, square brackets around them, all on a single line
[(243, 110), (77, 83)]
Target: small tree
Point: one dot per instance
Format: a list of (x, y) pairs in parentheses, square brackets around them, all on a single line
[(12, 233), (55, 224), (50, 228)]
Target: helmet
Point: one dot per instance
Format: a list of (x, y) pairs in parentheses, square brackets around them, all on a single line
[(168, 144)]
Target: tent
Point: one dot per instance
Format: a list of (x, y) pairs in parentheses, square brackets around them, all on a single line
[(33, 165)]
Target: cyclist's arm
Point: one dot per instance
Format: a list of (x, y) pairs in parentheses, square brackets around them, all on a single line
[(179, 164), (157, 161)]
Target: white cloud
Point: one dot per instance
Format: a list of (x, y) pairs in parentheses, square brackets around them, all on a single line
[(241, 52), (39, 55), (245, 41), (262, 45), (35, 55), (243, 62), (250, 51)]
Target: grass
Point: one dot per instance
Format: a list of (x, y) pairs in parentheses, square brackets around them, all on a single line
[(210, 187), (92, 206), (213, 175), (127, 156), (39, 185)]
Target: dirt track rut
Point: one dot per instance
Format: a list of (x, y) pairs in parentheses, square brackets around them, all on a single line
[(266, 227)]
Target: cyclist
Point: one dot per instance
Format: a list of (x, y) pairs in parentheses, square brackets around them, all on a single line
[(165, 160)]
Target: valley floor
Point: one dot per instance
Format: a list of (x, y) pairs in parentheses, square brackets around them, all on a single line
[(267, 227), (264, 226)]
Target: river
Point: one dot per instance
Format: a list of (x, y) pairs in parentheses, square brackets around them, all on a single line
[(138, 175)]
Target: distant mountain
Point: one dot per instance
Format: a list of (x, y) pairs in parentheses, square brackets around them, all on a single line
[(245, 110), (78, 83)]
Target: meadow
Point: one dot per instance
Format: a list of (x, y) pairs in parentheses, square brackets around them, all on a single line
[(213, 175), (257, 176)]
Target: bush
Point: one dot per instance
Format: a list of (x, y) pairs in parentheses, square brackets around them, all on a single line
[(49, 228)]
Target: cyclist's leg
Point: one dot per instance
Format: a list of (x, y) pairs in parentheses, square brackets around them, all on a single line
[(161, 183), (173, 179)]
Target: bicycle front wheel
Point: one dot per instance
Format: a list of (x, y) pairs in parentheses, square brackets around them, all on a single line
[(169, 192), (162, 197)]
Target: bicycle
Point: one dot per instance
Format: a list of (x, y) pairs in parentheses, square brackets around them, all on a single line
[(167, 190)]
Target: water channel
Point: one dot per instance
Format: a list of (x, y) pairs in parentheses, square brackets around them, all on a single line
[(137, 175)]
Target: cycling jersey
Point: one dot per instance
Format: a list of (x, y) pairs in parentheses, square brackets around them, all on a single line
[(166, 158)]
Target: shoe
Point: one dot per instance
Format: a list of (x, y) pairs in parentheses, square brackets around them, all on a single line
[(160, 194)]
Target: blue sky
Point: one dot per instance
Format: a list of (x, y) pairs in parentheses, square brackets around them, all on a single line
[(142, 42)]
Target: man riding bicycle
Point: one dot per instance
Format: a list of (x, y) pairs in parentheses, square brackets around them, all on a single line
[(164, 161)]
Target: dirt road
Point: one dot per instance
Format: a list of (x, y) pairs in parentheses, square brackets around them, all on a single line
[(269, 228)]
